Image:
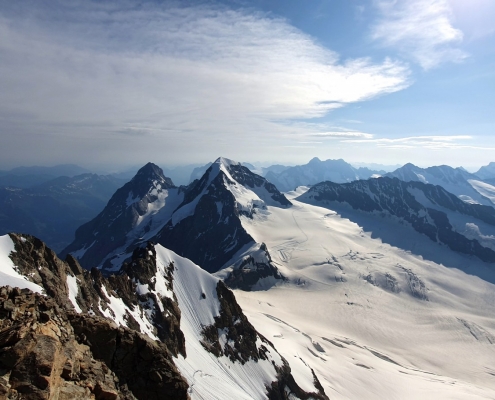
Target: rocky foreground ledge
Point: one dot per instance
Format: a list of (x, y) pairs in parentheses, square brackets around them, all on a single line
[(49, 353)]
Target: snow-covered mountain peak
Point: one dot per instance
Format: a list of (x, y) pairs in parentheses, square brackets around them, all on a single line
[(249, 190), (203, 221), (208, 226), (226, 162), (148, 178), (135, 211), (221, 164)]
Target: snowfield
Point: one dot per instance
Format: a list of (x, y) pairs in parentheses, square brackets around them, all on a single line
[(372, 320), (210, 377)]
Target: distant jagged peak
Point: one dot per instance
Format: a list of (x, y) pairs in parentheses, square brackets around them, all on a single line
[(333, 162), (237, 178), (222, 164), (226, 162), (152, 172), (486, 171), (409, 166), (149, 179)]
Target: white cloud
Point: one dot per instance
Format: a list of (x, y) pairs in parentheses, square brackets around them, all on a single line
[(421, 29), (343, 134), (99, 77), (426, 142)]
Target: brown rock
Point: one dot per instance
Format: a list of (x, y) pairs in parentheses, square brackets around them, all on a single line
[(104, 393), (73, 392)]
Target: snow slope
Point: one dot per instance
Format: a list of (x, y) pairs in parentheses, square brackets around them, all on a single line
[(8, 272), (484, 189), (212, 377), (374, 321)]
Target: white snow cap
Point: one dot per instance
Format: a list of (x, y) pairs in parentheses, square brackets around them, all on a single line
[(9, 274)]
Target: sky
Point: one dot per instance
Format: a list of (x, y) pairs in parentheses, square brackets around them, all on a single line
[(119, 83)]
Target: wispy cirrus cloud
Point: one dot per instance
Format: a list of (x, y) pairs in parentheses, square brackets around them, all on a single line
[(97, 77), (420, 29), (426, 142), (343, 135)]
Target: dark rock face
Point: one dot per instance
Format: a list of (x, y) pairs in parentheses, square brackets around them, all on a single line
[(394, 197), (285, 387), (210, 236), (211, 232), (252, 269), (108, 230), (240, 334), (143, 366)]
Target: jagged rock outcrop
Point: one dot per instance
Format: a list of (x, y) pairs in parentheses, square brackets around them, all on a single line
[(47, 352), (239, 336), (87, 337), (142, 270), (286, 388), (144, 366), (254, 271)]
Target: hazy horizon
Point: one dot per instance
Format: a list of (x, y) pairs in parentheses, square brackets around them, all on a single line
[(109, 169)]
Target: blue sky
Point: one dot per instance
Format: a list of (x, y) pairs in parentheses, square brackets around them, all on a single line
[(174, 82)]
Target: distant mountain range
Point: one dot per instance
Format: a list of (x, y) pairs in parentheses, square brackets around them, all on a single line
[(487, 171), (468, 187), (24, 177), (317, 171), (54, 209)]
